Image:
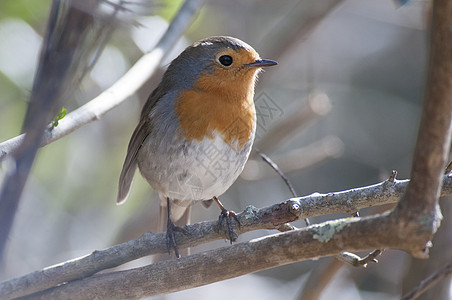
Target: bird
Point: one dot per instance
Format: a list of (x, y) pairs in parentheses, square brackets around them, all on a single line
[(196, 130)]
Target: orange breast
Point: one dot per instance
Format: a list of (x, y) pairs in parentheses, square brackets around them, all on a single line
[(218, 104)]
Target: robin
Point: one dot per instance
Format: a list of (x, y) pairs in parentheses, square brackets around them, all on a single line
[(196, 129)]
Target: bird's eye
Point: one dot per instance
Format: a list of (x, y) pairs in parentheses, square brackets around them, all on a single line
[(225, 60)]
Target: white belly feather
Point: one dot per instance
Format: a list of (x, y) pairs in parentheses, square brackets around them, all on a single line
[(190, 171)]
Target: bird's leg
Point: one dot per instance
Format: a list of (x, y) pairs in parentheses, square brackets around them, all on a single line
[(171, 228), (230, 216)]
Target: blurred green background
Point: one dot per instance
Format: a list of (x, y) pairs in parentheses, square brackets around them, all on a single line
[(368, 57)]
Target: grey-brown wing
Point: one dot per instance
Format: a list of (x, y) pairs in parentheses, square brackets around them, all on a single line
[(130, 163), (139, 135)]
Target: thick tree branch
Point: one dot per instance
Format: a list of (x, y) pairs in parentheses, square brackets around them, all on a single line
[(325, 239), (251, 219), (434, 137), (418, 211), (121, 90)]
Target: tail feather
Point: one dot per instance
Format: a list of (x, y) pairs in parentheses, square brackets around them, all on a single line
[(130, 163), (125, 181)]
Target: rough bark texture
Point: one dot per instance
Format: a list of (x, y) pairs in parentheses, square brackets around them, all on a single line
[(251, 219), (418, 211)]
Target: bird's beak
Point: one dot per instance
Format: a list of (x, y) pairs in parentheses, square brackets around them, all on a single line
[(259, 63)]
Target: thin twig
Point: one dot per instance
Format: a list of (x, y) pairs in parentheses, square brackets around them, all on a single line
[(346, 257), (429, 282), (393, 176), (358, 261), (448, 168), (277, 170), (283, 176), (296, 159)]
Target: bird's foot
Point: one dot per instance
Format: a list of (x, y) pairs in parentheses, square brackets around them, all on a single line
[(171, 229), (230, 217)]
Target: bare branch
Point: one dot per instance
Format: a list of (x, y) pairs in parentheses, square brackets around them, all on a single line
[(65, 42), (286, 180), (122, 89), (271, 217), (275, 167), (346, 257), (432, 147), (325, 239), (429, 282), (420, 203)]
